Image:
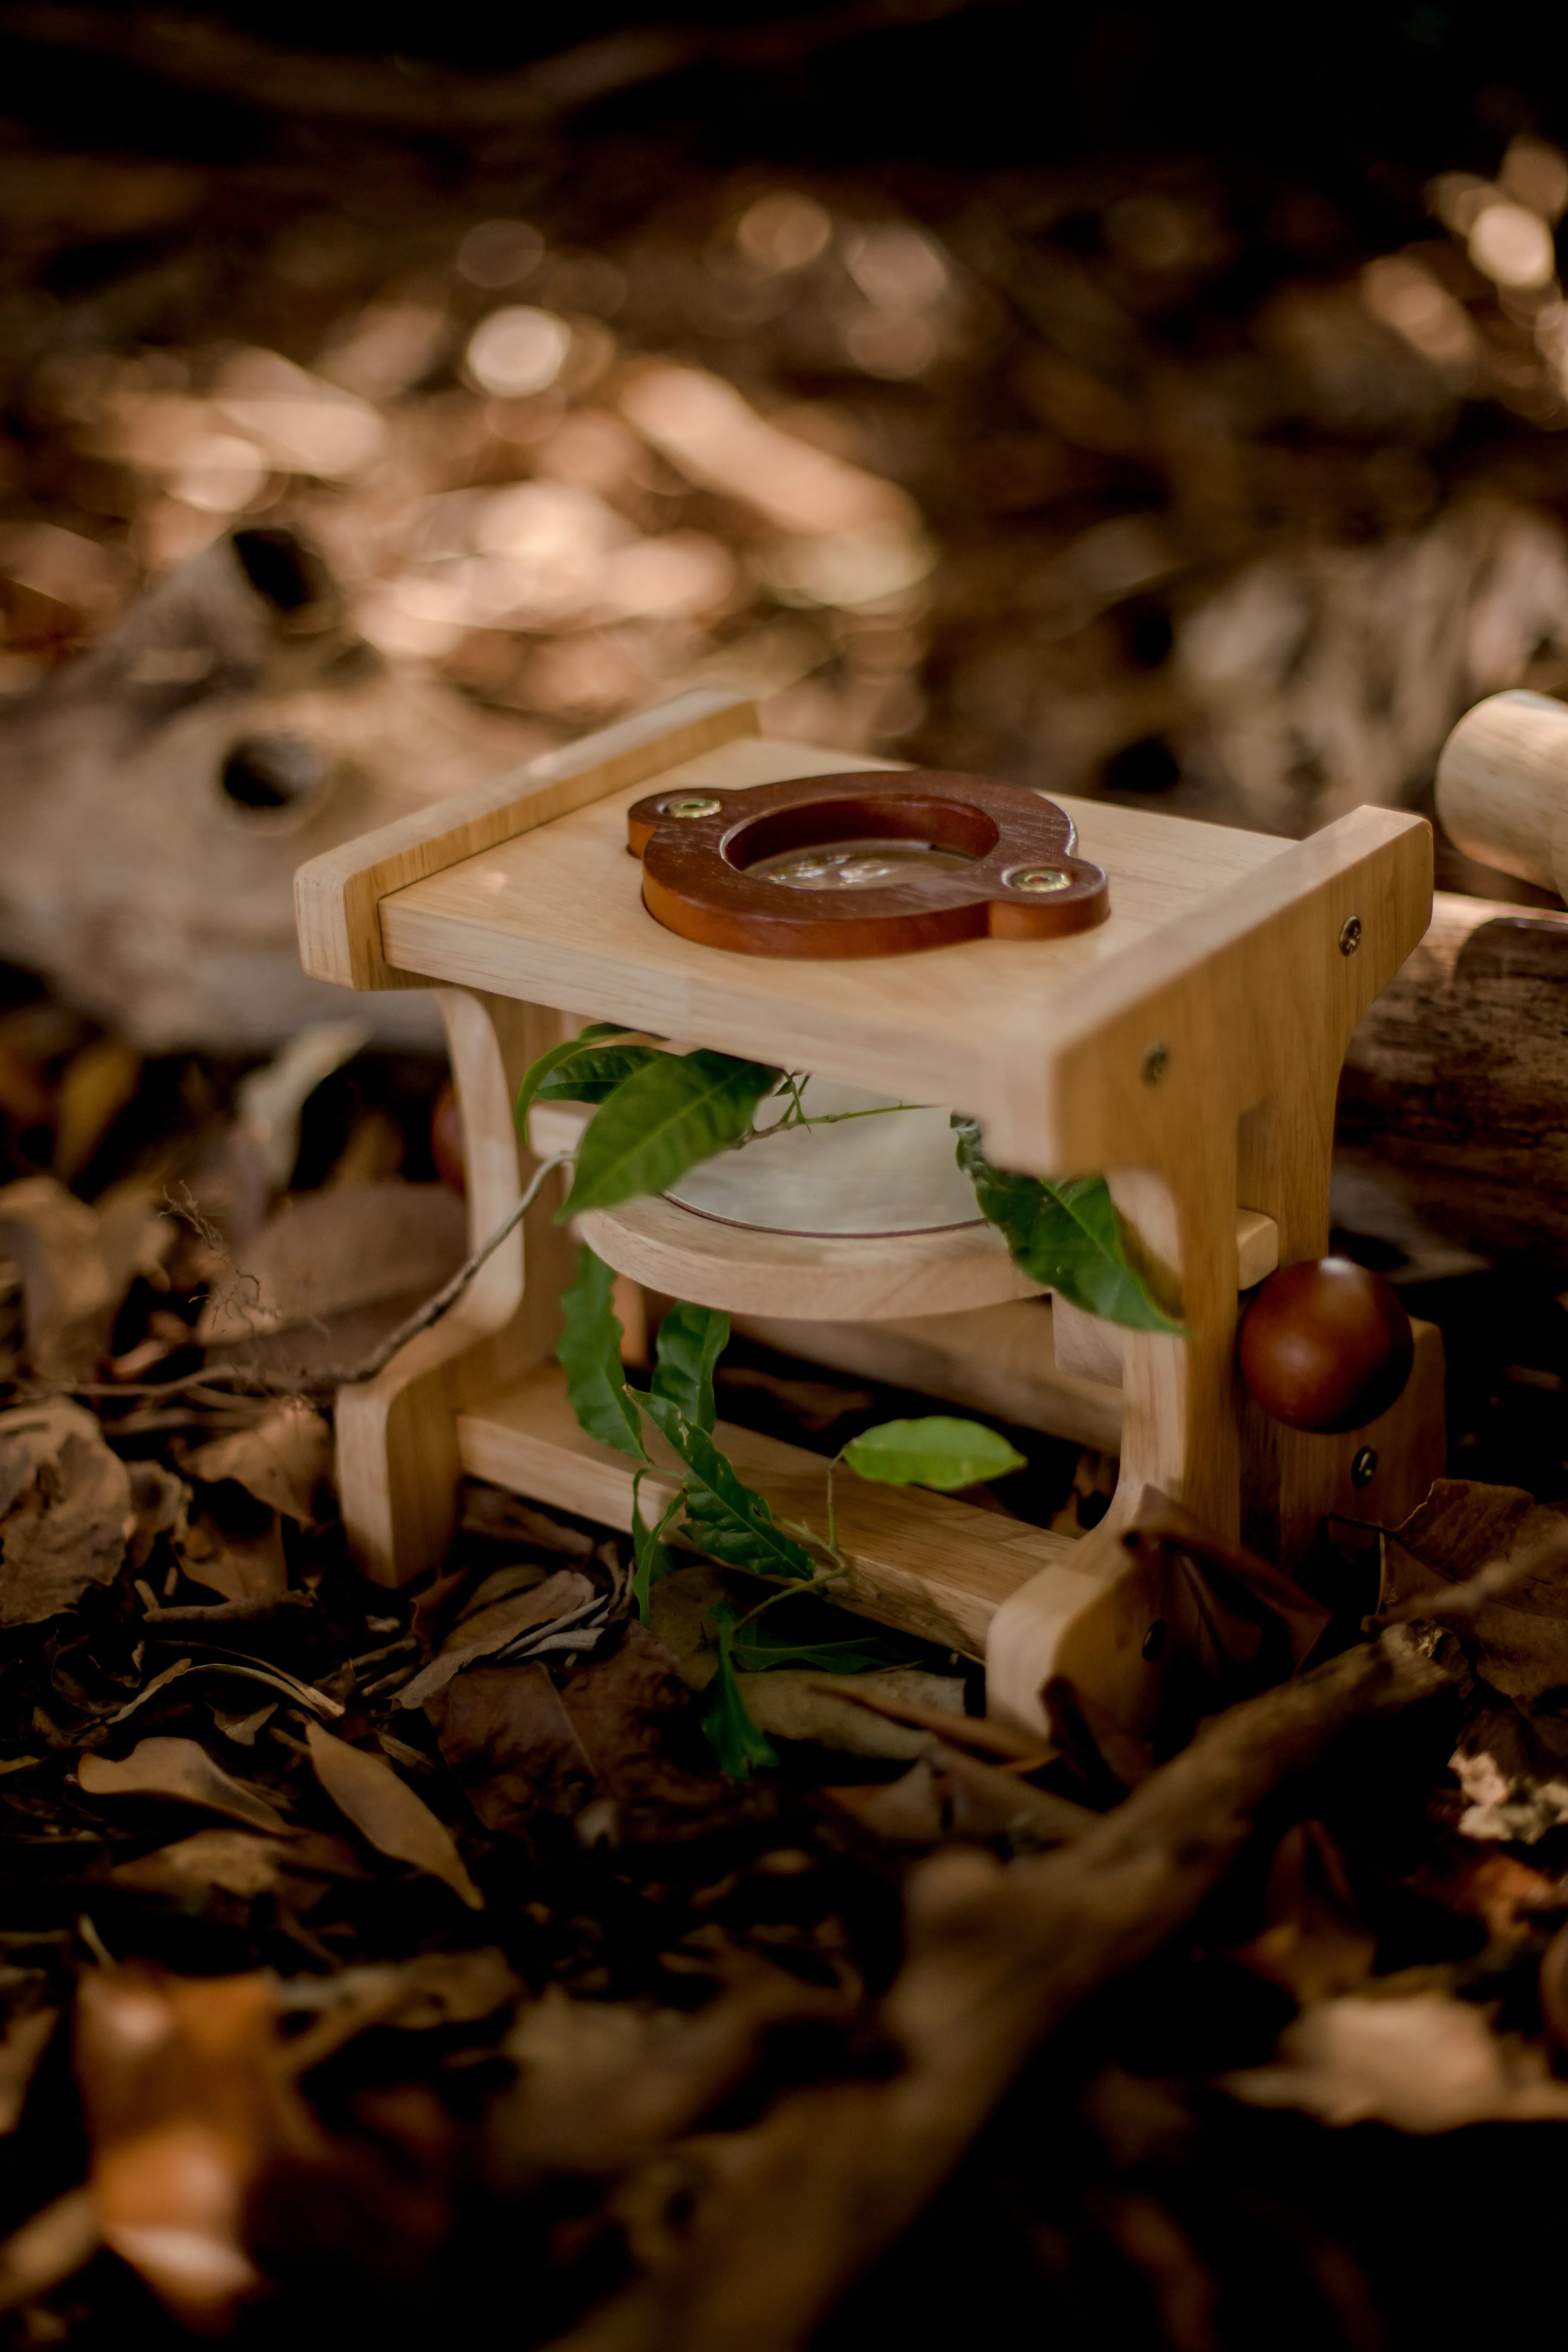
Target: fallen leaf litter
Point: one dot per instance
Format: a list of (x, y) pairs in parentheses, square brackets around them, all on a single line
[(471, 1949)]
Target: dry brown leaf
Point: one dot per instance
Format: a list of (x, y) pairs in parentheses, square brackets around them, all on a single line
[(50, 2246), (134, 1237), (332, 1252), (239, 1567), (521, 1576), (22, 2044), (69, 1294), (433, 1988), (181, 1770), (95, 1087), (385, 1810), (506, 1737), (793, 1703), (284, 1459), (236, 1861), (67, 1510), (1518, 1638), (492, 1511), (493, 1627), (601, 2083), (1314, 1941), (905, 1811), (1496, 1888), (1426, 2063), (613, 1731), (160, 1500), (186, 2108)]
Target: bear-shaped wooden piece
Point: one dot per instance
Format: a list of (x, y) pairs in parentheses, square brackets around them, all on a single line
[(863, 865)]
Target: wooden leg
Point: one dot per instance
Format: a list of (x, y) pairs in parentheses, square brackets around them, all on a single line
[(396, 1434), (1189, 1429)]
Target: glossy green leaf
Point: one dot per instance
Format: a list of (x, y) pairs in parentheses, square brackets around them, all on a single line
[(725, 1517), (535, 1076), (938, 1451), (690, 1341), (756, 1654), (590, 1350), (650, 1555), (593, 1074), (676, 1110), (736, 1741), (541, 1076), (1067, 1235)]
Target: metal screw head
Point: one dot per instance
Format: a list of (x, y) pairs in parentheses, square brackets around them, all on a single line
[(1156, 1639), (1363, 1469), (1155, 1063), (1350, 935), (690, 804), (1036, 879)]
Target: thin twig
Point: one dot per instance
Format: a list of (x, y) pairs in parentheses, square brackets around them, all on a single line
[(250, 1612), (447, 1298)]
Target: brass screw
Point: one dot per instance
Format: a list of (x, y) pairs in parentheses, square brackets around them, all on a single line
[(1350, 935), (1037, 879), (1363, 1469), (692, 805), (1155, 1063)]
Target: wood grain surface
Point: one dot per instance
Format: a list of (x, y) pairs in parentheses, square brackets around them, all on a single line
[(935, 1566)]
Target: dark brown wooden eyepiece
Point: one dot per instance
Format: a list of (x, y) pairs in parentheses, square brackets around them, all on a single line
[(863, 865)]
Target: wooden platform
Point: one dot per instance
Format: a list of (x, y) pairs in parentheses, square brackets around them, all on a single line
[(556, 916), (937, 1568)]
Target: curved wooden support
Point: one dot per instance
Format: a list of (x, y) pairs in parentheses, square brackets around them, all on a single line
[(396, 1434), (848, 1279)]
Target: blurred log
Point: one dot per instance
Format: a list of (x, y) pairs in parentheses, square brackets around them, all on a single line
[(748, 2238), (1455, 1091)]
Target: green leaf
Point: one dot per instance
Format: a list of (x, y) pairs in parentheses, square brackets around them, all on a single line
[(649, 1553), (725, 1517), (736, 1741), (678, 1109), (690, 1341), (755, 1654), (590, 1350), (1067, 1235), (593, 1074), (938, 1451), (536, 1075), (539, 1074)]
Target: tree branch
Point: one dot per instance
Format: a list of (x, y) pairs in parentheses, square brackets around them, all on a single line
[(787, 2214)]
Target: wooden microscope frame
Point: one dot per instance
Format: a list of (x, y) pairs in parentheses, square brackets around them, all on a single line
[(1189, 1047)]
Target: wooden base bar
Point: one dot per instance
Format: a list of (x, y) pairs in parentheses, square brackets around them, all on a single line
[(918, 1561)]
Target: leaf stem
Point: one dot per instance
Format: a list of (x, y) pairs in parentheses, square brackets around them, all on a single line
[(822, 1119), (813, 1585), (832, 1531)]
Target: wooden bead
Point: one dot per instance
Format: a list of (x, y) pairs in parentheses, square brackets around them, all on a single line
[(446, 1140), (1325, 1346)]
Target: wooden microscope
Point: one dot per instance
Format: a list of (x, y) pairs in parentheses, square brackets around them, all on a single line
[(1180, 1031)]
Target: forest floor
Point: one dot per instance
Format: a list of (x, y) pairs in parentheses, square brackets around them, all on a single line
[(324, 2012)]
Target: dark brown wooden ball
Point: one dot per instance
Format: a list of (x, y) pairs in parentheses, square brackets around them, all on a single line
[(447, 1141), (1325, 1346)]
